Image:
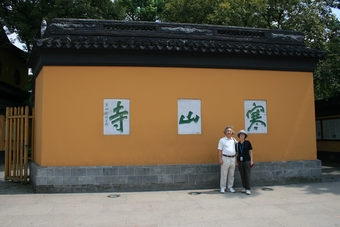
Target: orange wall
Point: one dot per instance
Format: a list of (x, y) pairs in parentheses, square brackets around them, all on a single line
[(69, 114)]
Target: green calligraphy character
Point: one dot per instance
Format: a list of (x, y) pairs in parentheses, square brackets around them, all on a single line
[(189, 119), (255, 115), (118, 117)]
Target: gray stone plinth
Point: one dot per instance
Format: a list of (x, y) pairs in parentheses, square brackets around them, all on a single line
[(165, 177)]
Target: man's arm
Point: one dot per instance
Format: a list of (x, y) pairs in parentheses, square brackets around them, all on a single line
[(220, 157)]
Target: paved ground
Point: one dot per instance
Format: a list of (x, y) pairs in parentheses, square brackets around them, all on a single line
[(290, 205)]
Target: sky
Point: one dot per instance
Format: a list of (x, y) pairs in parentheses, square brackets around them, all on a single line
[(21, 45), (337, 13)]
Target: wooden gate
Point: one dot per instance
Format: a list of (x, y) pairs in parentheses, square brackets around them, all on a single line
[(18, 143)]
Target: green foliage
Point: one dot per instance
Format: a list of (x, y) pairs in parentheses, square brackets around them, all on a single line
[(327, 73), (244, 13), (189, 11), (24, 16), (86, 9), (312, 17), (142, 10)]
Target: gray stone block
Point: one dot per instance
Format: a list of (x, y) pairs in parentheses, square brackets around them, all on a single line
[(188, 170), (135, 179), (271, 166), (85, 180), (297, 165), (309, 164), (49, 172), (41, 181), (172, 169), (305, 173), (262, 175), (181, 178), (76, 172), (157, 170), (259, 166), (196, 177), (126, 170), (165, 178), (318, 163), (54, 180), (150, 179), (111, 171), (103, 180), (58, 172), (119, 179), (203, 169), (215, 168), (284, 165), (257, 175), (67, 172), (211, 176), (142, 170), (94, 171), (70, 180), (41, 172), (292, 173), (279, 174)]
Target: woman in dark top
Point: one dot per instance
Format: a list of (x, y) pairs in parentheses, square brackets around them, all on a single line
[(244, 160)]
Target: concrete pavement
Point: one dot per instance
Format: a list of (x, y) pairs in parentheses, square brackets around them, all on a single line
[(316, 204)]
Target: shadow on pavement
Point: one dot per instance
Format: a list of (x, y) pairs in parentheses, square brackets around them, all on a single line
[(330, 172), (11, 187)]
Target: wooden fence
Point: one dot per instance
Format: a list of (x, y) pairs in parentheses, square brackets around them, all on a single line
[(18, 143)]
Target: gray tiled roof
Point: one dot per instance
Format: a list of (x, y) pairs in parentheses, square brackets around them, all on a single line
[(169, 37), (120, 43)]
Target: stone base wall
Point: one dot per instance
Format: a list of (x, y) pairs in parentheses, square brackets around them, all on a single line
[(164, 177)]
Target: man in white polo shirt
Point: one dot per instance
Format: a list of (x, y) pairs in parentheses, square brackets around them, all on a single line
[(227, 159)]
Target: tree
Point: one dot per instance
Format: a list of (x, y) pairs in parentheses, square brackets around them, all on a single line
[(189, 11), (86, 9), (142, 10), (244, 13), (321, 29), (327, 73), (24, 16), (312, 17)]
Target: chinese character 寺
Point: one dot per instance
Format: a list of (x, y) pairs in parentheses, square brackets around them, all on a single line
[(118, 117)]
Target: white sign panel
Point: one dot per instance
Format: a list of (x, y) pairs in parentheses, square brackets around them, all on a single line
[(255, 116), (331, 129), (189, 116), (116, 116)]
